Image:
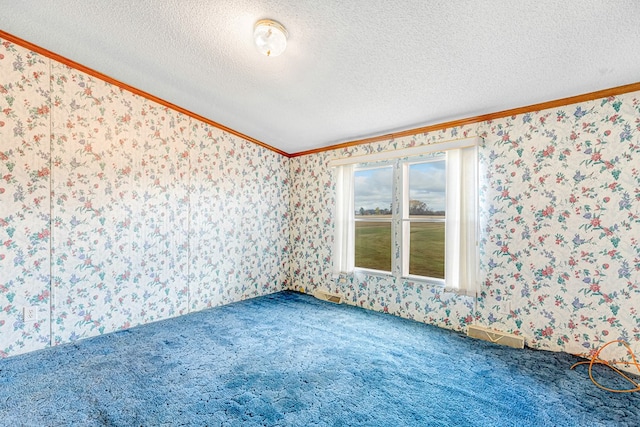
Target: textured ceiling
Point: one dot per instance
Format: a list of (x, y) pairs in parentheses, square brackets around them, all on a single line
[(352, 69)]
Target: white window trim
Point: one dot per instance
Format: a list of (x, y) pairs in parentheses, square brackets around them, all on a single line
[(461, 281), (344, 240), (405, 226), (406, 152)]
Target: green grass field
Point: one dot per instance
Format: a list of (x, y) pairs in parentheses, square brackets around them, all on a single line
[(373, 247)]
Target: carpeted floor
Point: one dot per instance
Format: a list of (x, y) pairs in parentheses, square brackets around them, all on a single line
[(291, 360)]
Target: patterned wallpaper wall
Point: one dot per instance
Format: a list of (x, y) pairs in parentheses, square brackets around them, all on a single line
[(116, 211), (25, 203), (560, 215)]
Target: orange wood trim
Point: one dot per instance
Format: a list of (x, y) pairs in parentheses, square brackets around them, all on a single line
[(605, 93), (122, 85)]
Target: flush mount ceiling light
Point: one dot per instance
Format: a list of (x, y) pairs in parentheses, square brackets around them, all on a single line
[(270, 37)]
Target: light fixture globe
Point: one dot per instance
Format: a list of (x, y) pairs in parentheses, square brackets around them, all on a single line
[(270, 37)]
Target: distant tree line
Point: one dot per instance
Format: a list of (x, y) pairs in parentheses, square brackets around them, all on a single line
[(376, 211), (416, 207)]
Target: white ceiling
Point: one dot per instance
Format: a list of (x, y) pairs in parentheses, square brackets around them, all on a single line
[(352, 69)]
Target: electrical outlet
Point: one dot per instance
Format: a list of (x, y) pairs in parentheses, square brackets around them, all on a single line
[(505, 307), (30, 314)]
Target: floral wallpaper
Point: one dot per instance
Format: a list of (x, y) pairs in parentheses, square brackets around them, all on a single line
[(25, 174), (562, 199), (560, 215), (120, 208), (240, 230), (116, 211), (312, 222)]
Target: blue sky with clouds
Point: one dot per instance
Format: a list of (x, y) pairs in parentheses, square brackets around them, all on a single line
[(373, 187)]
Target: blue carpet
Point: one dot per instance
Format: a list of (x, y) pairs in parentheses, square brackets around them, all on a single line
[(291, 360)]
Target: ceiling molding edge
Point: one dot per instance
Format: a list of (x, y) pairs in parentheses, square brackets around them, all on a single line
[(70, 63), (604, 93)]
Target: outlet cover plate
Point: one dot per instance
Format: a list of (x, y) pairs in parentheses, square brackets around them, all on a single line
[(505, 307), (30, 314)]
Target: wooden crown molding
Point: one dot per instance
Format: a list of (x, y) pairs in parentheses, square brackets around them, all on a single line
[(68, 62), (605, 93)]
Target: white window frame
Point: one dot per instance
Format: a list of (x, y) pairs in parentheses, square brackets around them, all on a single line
[(391, 220), (400, 220), (461, 262), (405, 241)]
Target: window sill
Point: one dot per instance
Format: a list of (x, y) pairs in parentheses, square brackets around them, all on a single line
[(371, 272), (422, 279)]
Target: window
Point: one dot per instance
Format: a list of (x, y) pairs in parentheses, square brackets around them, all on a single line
[(424, 215), (411, 216), (372, 216), (420, 188)]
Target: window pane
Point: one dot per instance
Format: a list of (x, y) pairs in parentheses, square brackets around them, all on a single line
[(373, 245), (427, 249), (427, 189), (373, 195), (372, 188)]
